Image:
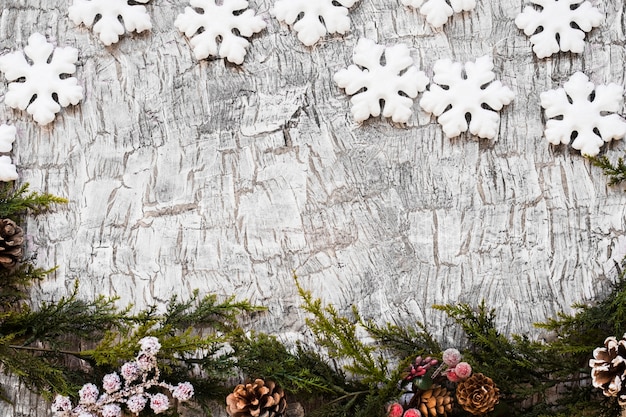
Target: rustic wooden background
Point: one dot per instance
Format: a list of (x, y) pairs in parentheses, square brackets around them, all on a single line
[(185, 174)]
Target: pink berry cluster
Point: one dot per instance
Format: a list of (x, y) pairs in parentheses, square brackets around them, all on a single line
[(457, 371), (130, 391), (420, 367)]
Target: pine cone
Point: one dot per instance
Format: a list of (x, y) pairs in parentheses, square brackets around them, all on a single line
[(608, 368), (258, 399), (435, 402), (11, 240), (477, 394)]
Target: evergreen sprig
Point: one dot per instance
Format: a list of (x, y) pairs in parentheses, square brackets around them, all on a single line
[(338, 334), (17, 201), (616, 172)]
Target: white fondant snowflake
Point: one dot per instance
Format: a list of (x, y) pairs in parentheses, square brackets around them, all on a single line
[(110, 18), (454, 95), (7, 137), (438, 12), (560, 25), (313, 19), (219, 21), (381, 82), (41, 82), (581, 109)]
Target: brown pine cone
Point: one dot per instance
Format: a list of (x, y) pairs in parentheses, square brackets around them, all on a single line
[(477, 394), (257, 399), (435, 402), (608, 368), (11, 240)]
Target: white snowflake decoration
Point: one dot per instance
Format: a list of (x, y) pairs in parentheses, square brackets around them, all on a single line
[(313, 19), (8, 171), (110, 18), (37, 84), (219, 21), (554, 20), (581, 109), (7, 137), (465, 95), (381, 82), (438, 12)]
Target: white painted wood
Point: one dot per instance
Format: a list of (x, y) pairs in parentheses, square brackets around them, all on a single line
[(185, 175)]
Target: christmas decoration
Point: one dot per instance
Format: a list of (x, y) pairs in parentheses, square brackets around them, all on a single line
[(559, 25), (138, 377), (435, 402), (438, 12), (312, 20), (608, 368), (7, 137), (579, 110), (458, 91), (259, 398), (38, 79), (11, 241), (110, 19), (478, 394), (8, 171), (396, 82), (207, 21)]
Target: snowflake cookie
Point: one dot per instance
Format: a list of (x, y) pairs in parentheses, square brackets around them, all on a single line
[(578, 111), (455, 94), (438, 12), (111, 18), (559, 25), (41, 84), (219, 21), (313, 19), (381, 82)]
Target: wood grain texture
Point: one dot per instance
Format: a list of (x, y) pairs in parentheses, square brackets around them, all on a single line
[(185, 174)]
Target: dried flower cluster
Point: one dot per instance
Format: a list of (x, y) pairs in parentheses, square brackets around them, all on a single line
[(129, 392)]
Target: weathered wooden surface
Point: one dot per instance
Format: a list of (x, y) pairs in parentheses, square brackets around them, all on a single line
[(185, 174)]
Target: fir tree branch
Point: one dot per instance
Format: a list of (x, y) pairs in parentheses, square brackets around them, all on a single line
[(615, 172), (16, 201), (338, 334)]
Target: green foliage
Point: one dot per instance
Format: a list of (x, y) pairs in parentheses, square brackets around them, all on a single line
[(338, 334), (16, 201), (615, 172)]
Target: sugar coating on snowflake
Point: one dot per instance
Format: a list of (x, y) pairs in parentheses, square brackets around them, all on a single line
[(314, 19), (579, 110), (39, 79), (460, 92), (396, 83), (206, 22), (437, 12), (110, 18), (559, 25), (7, 137)]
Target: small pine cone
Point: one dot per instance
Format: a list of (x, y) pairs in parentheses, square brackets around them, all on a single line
[(477, 394), (11, 240), (608, 368), (435, 402), (258, 399)]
